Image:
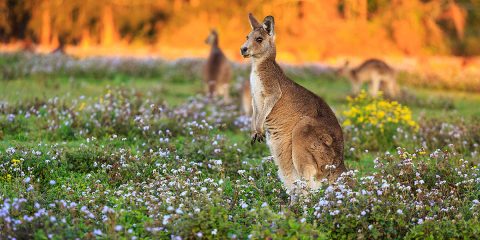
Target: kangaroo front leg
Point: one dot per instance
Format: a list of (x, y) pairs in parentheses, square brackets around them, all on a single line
[(268, 104), (256, 136)]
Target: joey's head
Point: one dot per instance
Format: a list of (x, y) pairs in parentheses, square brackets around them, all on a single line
[(260, 43), (212, 38)]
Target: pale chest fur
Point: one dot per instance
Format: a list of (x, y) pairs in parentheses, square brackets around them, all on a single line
[(256, 88)]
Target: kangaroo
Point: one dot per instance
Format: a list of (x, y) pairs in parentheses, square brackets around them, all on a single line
[(302, 132), (246, 98), (375, 71), (217, 71)]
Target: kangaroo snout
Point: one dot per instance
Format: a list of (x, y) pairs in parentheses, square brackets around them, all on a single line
[(244, 50)]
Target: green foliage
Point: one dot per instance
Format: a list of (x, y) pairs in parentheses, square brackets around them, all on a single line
[(122, 161)]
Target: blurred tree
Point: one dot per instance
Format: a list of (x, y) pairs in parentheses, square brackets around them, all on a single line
[(355, 9), (14, 22), (318, 28)]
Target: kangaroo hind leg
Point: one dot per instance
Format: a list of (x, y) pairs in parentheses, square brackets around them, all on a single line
[(308, 151)]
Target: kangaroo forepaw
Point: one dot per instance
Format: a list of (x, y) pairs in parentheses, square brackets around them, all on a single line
[(257, 137)]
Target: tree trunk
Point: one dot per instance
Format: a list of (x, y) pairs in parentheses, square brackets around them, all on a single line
[(85, 41), (46, 33), (109, 35)]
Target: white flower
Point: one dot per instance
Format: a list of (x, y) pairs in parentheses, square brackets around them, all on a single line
[(323, 203), (165, 219), (399, 212), (97, 232), (27, 180), (118, 228), (52, 182)]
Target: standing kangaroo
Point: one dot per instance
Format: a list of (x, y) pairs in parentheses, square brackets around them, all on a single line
[(302, 132), (375, 71), (217, 71)]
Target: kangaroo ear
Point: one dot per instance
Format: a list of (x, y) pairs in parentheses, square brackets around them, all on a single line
[(253, 22), (269, 25), (327, 139)]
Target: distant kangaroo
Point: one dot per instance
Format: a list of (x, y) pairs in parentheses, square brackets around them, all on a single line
[(375, 71), (247, 98), (217, 71), (302, 132)]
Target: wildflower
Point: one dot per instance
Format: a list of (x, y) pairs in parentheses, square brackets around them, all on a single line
[(82, 106), (15, 162), (27, 180)]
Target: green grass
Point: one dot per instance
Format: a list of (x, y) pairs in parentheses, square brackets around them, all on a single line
[(146, 156)]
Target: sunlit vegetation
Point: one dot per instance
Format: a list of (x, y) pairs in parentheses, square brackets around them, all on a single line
[(309, 30)]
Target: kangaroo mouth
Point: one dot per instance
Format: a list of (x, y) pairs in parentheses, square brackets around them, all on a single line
[(246, 55)]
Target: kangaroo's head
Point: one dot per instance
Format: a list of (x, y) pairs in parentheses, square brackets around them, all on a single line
[(347, 72), (344, 70), (212, 38), (260, 42)]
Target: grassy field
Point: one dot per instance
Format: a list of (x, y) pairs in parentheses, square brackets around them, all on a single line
[(129, 149)]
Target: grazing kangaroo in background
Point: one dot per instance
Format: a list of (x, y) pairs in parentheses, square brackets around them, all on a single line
[(375, 71), (217, 72), (302, 132), (247, 98)]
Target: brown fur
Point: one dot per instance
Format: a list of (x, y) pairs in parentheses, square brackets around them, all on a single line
[(217, 71), (375, 71), (302, 131), (247, 98)]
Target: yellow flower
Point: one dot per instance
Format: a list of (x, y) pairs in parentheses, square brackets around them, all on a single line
[(82, 106), (15, 162), (347, 123), (380, 114), (377, 112)]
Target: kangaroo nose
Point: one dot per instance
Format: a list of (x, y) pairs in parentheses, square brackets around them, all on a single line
[(244, 50)]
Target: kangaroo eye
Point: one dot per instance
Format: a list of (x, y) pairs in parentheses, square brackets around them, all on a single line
[(247, 37), (259, 39)]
